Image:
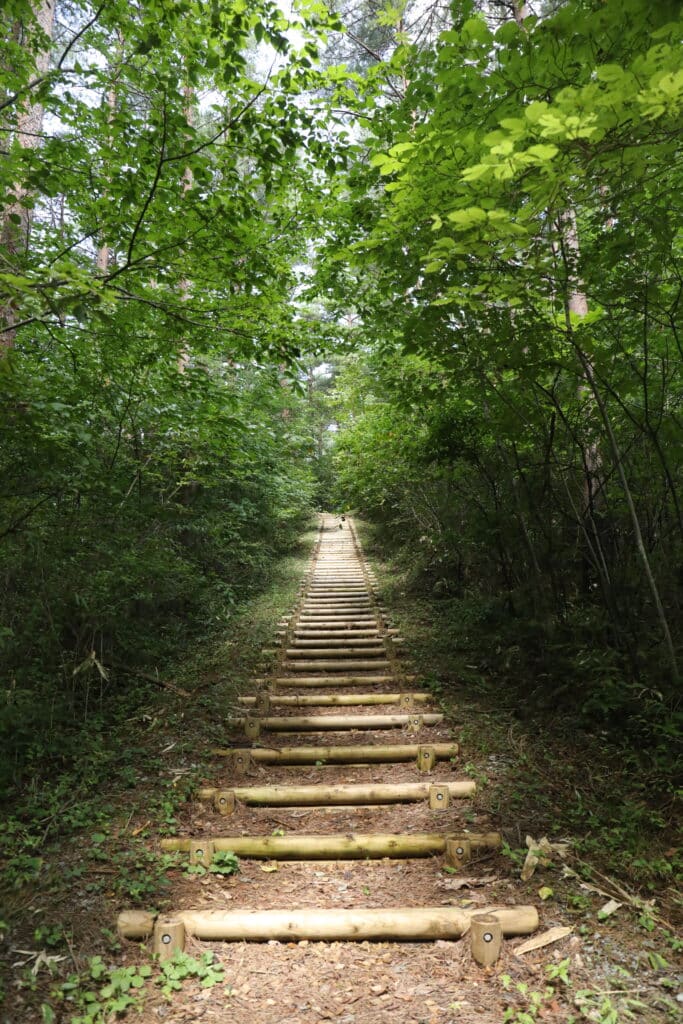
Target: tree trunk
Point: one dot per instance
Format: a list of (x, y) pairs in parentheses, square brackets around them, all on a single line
[(15, 227)]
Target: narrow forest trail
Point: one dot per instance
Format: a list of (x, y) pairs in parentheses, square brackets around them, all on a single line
[(343, 806)]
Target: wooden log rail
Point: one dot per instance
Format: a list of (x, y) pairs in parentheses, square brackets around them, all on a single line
[(339, 699), (282, 682), (404, 924), (339, 723), (336, 847), (389, 754), (343, 794)]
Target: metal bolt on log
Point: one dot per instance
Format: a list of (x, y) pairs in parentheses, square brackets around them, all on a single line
[(262, 705), (240, 761), (252, 728), (439, 797), (458, 852), (201, 852), (486, 935), (168, 938), (426, 757), (224, 801)]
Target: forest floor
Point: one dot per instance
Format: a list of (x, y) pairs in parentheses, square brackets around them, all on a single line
[(63, 961)]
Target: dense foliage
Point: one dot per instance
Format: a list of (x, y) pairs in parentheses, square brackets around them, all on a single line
[(156, 446), (512, 243), (490, 194)]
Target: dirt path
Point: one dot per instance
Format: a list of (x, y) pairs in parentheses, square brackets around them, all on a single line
[(340, 633)]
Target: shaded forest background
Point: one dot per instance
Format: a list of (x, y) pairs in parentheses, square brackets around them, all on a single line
[(418, 260)]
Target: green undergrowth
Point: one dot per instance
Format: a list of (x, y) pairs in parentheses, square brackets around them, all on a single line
[(78, 842), (558, 769)]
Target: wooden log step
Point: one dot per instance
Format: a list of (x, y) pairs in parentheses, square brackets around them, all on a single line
[(323, 611), (286, 682), (339, 723), (323, 589), (331, 665), (378, 650), (402, 924), (352, 846), (318, 607), (361, 754), (317, 648), (358, 645), (338, 594), (352, 586), (341, 795), (327, 621), (326, 700), (336, 613), (348, 632), (348, 626)]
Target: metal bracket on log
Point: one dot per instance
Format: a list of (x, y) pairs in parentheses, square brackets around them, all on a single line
[(168, 938), (439, 797), (426, 758), (458, 852), (240, 761), (252, 728), (486, 935), (224, 801), (201, 852), (360, 754)]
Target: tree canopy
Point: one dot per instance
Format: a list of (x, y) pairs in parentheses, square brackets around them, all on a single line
[(468, 215)]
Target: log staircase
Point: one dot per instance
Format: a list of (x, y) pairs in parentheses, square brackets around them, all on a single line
[(338, 670)]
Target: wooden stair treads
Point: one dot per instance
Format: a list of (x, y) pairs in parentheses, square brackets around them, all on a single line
[(342, 847), (402, 924), (340, 723), (337, 636), (302, 700), (362, 753), (341, 795)]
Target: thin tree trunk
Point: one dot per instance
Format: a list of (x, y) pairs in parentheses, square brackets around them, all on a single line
[(103, 252), (635, 522), (15, 227), (188, 181)]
